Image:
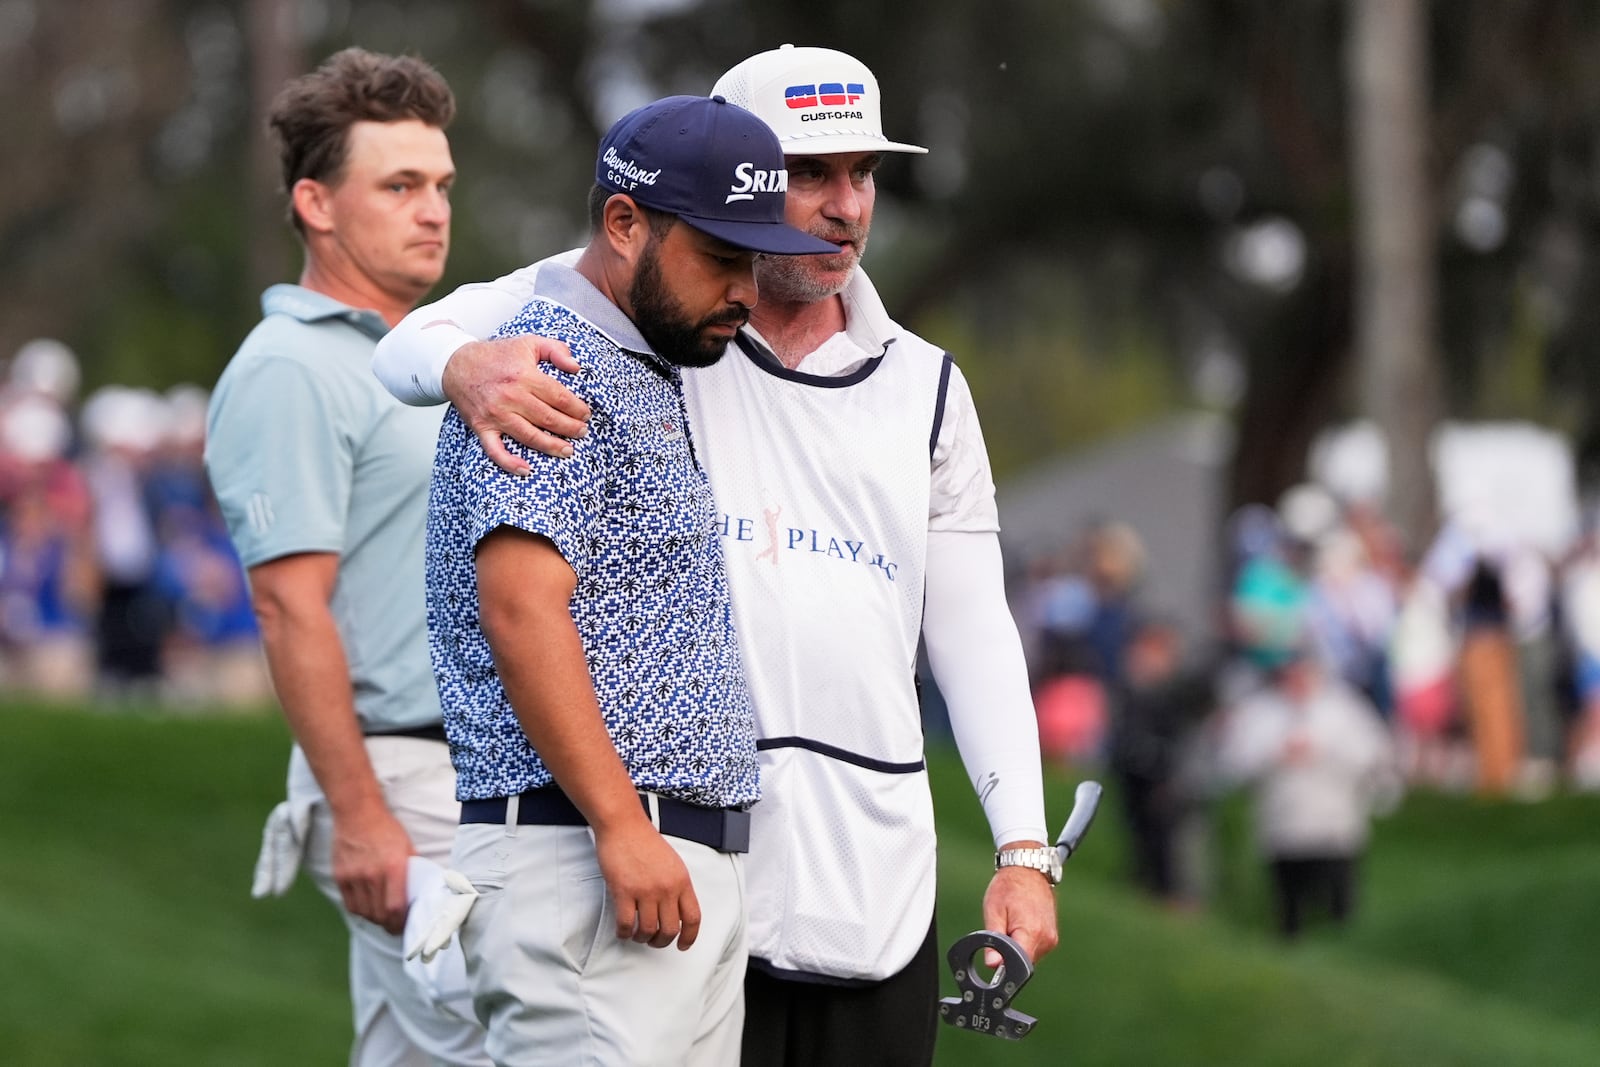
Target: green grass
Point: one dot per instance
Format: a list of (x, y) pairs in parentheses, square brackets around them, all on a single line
[(128, 937), (1475, 944)]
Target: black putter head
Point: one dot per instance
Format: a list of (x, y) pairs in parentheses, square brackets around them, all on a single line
[(984, 1007)]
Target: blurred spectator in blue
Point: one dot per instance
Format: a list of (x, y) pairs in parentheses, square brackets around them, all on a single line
[(1351, 601), (1580, 617), (175, 486), (1267, 599), (1055, 606), (211, 652), (48, 581), (1115, 563), (115, 567)]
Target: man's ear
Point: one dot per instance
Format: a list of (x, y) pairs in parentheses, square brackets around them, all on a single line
[(626, 229), (313, 202)]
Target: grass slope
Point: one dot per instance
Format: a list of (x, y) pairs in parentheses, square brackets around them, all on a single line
[(1474, 946), (126, 845)]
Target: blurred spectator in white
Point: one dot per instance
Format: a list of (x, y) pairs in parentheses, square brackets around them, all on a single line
[(46, 367), (1321, 762), (48, 581), (1351, 603), (122, 428), (1422, 675)]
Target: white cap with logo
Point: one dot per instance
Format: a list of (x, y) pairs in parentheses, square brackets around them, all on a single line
[(818, 101)]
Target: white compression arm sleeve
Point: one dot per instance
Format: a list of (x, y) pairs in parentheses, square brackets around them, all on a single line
[(976, 656), (410, 359)]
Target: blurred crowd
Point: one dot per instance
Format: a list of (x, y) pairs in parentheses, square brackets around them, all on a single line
[(117, 580), (1337, 671)]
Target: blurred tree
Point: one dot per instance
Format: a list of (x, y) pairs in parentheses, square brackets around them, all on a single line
[(85, 90), (1395, 244), (277, 53), (1129, 204)]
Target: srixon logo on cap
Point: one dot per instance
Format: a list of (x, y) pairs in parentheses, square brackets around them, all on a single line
[(748, 181)]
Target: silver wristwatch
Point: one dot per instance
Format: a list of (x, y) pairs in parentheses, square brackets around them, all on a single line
[(1045, 860)]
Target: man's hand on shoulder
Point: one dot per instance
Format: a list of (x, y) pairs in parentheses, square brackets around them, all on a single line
[(370, 852), (499, 388), (1021, 903)]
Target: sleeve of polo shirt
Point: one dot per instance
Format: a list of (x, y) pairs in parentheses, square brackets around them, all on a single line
[(961, 493), (410, 359), (559, 498), (280, 456)]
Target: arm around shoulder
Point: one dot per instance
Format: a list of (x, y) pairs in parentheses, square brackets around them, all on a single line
[(437, 354), (410, 360)]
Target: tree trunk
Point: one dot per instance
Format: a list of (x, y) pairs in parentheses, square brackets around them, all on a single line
[(275, 57), (1396, 299)]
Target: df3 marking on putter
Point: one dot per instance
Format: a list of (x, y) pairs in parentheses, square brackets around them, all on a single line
[(984, 1007)]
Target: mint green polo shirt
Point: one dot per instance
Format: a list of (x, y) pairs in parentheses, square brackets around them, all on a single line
[(307, 452)]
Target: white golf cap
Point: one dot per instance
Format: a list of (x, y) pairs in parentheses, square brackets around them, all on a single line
[(817, 100)]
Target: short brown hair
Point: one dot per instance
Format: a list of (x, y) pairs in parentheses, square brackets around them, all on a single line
[(312, 116)]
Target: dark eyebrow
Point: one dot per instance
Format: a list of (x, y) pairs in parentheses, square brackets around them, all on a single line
[(411, 174)]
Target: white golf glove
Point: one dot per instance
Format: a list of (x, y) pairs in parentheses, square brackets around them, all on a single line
[(283, 843), (440, 900)]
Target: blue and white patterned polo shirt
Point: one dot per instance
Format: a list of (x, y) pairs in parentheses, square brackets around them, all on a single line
[(632, 513)]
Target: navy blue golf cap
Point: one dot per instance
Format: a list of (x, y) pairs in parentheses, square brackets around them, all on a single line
[(715, 166)]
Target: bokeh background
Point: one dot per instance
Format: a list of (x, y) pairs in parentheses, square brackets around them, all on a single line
[(1282, 320)]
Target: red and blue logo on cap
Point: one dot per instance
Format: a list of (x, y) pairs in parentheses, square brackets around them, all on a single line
[(824, 94)]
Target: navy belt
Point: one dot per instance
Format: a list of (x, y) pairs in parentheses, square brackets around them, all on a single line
[(724, 829), (431, 732)]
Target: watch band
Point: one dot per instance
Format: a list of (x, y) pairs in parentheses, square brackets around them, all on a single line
[(1043, 859)]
